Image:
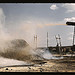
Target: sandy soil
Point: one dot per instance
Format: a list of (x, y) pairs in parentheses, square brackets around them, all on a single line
[(53, 65)]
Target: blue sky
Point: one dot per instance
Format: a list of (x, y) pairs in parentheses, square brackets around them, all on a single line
[(24, 20)]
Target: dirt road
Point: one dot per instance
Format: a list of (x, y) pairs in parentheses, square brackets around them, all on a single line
[(53, 65)]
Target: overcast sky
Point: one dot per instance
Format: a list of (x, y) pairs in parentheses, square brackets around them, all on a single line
[(26, 20)]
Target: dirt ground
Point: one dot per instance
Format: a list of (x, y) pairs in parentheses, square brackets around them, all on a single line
[(53, 65)]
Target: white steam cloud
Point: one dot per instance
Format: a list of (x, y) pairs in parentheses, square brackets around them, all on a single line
[(29, 30), (8, 62), (4, 36)]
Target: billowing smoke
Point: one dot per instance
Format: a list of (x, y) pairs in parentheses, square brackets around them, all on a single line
[(3, 34), (45, 53), (17, 48), (10, 47), (12, 62)]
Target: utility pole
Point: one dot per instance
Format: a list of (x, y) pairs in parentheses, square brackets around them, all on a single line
[(35, 41), (74, 36), (47, 39)]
